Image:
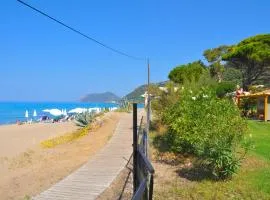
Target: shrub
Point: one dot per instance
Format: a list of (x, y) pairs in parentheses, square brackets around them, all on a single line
[(124, 106), (207, 127), (225, 87), (84, 119), (163, 99)]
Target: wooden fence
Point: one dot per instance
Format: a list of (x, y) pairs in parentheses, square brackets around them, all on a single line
[(143, 171)]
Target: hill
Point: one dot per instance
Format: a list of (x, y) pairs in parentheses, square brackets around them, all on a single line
[(135, 95), (106, 97)]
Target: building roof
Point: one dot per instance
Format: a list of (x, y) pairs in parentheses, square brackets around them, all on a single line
[(257, 94)]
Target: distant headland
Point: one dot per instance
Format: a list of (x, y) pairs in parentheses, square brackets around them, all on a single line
[(106, 97)]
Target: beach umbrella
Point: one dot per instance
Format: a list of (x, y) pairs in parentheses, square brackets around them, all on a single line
[(54, 112), (26, 114), (35, 113), (77, 110)]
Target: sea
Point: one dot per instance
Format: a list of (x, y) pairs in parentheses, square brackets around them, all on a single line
[(11, 112)]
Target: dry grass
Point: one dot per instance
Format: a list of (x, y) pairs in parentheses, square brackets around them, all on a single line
[(182, 182), (63, 139), (69, 137)]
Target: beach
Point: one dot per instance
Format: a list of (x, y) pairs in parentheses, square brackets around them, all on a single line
[(16, 139), (26, 169)]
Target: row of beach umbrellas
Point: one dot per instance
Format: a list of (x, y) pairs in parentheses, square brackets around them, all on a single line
[(54, 112), (57, 112)]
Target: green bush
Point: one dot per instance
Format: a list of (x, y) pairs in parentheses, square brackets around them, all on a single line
[(84, 119), (162, 100), (124, 106), (225, 87), (207, 127)]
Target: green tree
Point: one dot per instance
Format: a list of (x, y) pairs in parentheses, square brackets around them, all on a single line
[(189, 72), (214, 57), (233, 75), (252, 57)]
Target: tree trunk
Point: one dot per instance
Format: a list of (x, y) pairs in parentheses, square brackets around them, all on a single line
[(246, 83)]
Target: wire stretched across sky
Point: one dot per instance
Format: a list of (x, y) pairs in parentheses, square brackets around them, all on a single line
[(82, 34)]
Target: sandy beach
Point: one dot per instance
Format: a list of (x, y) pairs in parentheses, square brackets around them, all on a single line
[(26, 168), (16, 139)]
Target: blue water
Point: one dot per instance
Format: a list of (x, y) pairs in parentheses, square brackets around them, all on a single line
[(10, 112)]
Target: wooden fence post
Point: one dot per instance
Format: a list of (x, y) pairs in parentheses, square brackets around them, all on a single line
[(135, 145)]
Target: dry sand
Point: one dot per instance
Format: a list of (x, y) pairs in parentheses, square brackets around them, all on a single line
[(27, 169), (16, 139)]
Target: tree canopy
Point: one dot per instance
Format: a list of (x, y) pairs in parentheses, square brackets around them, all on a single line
[(189, 72), (214, 57), (251, 56), (215, 54)]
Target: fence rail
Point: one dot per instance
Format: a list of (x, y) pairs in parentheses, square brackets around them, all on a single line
[(140, 191), (143, 170)]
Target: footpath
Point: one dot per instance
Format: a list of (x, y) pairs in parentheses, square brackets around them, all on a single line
[(98, 173)]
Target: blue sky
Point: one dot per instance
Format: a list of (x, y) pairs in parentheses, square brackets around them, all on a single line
[(43, 61)]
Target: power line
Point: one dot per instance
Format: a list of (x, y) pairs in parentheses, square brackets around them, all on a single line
[(80, 33)]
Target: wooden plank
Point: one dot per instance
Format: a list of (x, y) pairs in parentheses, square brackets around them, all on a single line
[(265, 108)]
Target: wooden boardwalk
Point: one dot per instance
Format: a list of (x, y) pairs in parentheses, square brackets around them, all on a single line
[(98, 173)]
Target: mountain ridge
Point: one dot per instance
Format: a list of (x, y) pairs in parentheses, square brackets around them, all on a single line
[(105, 97)]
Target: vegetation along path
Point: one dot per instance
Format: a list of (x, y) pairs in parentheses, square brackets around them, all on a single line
[(97, 174)]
